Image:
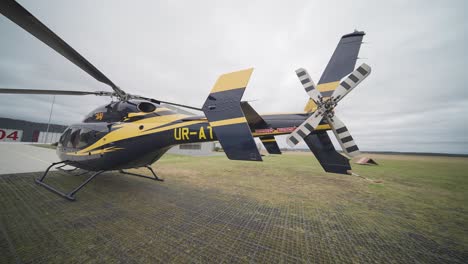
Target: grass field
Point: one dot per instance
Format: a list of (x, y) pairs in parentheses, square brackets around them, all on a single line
[(210, 209)]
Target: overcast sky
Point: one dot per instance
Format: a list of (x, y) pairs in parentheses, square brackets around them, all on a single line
[(414, 100)]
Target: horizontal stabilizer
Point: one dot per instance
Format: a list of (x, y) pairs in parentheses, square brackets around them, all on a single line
[(253, 118), (256, 121), (224, 113), (270, 144)]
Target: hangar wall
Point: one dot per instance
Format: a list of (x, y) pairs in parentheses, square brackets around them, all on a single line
[(13, 130)]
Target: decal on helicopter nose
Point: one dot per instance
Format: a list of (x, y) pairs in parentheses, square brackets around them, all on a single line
[(184, 133), (99, 116)]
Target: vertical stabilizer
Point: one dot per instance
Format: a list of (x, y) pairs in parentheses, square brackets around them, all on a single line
[(224, 113), (323, 149), (340, 65)]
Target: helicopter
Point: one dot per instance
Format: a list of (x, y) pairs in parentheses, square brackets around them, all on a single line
[(135, 131)]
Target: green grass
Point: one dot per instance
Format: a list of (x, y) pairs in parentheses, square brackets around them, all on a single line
[(210, 209), (403, 194)]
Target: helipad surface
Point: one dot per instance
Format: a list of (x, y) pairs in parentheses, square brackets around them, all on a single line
[(19, 158)]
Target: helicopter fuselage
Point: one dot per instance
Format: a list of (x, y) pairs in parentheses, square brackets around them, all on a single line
[(131, 134)]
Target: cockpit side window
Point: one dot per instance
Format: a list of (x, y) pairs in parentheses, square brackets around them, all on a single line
[(87, 137), (65, 137), (74, 138)]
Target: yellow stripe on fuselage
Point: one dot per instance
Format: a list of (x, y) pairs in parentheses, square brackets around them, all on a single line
[(233, 80), (157, 120), (268, 140), (230, 121), (129, 130), (94, 152), (159, 109)]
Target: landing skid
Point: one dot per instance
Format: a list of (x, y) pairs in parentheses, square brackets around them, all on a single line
[(71, 195), (155, 177)]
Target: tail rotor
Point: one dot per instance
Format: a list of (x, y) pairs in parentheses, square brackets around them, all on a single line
[(343, 136), (325, 109), (353, 80), (308, 84)]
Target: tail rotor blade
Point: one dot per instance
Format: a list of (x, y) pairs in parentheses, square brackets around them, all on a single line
[(344, 137), (308, 84), (355, 78), (304, 129)]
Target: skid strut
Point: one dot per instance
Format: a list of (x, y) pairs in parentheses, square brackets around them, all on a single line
[(155, 177), (70, 195)]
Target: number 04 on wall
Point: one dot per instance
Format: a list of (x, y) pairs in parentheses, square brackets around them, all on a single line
[(10, 135)]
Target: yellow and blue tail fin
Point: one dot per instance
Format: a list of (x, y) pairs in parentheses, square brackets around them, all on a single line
[(340, 65), (224, 113)]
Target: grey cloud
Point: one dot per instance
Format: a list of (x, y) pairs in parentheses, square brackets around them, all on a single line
[(415, 99)]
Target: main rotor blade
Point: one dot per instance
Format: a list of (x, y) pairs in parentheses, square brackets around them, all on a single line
[(20, 16), (343, 136), (305, 128), (308, 84), (54, 92), (355, 78)]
